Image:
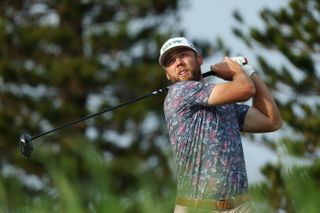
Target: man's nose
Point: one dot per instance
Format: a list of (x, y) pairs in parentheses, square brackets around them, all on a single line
[(179, 61)]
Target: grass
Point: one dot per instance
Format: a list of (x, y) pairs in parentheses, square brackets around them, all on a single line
[(80, 180)]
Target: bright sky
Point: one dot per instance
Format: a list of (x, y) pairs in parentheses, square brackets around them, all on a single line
[(211, 18), (207, 19)]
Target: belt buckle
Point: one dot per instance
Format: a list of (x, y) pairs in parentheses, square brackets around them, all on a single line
[(225, 204)]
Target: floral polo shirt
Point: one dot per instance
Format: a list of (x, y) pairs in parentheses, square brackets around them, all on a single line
[(206, 142)]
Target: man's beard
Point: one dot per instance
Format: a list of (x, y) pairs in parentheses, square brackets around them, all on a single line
[(196, 74)]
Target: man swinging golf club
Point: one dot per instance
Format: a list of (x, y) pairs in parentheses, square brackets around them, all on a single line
[(204, 121)]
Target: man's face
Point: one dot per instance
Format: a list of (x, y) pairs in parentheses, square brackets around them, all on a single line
[(183, 65)]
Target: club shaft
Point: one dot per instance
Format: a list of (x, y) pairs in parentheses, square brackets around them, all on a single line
[(156, 92), (101, 112)]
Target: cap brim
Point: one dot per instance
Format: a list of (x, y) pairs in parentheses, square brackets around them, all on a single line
[(165, 54)]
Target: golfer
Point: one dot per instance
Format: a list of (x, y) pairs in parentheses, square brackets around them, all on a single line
[(204, 122)]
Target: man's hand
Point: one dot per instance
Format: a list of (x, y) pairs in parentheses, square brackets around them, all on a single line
[(239, 88), (248, 69), (226, 69)]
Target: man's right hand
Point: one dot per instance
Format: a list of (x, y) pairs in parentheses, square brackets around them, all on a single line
[(226, 69), (240, 87)]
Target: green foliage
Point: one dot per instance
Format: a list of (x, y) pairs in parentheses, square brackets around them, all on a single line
[(291, 32), (81, 181), (293, 190), (66, 188), (62, 60)]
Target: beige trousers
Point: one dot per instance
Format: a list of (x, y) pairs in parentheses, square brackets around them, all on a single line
[(243, 208)]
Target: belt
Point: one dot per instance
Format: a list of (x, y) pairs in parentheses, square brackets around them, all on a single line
[(224, 204)]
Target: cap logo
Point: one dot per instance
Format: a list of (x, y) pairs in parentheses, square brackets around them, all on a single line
[(166, 46)]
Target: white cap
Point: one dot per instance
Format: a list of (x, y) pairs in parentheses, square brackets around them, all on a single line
[(173, 44)]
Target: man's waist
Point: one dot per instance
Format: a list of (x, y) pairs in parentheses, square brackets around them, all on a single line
[(221, 204)]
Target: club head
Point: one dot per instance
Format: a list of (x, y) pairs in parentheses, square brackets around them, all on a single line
[(26, 145)]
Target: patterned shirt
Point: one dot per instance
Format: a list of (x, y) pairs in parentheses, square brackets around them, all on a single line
[(206, 142)]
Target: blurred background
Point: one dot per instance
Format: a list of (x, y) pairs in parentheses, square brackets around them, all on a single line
[(62, 60)]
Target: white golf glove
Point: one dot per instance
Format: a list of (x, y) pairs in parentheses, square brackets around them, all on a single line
[(244, 64)]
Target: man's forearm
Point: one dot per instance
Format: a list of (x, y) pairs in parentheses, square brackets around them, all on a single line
[(264, 102)]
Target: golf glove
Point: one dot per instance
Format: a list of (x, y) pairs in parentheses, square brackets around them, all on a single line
[(244, 64)]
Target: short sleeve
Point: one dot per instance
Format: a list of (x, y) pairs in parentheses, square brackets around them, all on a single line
[(241, 111)]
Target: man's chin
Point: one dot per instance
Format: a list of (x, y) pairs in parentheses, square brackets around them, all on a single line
[(186, 78)]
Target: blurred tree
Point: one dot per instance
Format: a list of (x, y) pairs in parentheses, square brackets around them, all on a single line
[(61, 60), (287, 50)]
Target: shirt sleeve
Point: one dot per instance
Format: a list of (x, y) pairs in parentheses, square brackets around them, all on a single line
[(241, 110)]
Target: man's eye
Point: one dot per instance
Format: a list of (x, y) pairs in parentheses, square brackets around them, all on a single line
[(169, 61)]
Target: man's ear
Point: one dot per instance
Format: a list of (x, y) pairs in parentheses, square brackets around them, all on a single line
[(199, 59), (168, 77)]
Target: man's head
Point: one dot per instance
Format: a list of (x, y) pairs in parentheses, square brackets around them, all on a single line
[(180, 59)]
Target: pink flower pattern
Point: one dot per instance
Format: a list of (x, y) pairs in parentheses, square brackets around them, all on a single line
[(206, 142)]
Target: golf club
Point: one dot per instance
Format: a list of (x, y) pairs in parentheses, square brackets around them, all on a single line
[(25, 142)]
